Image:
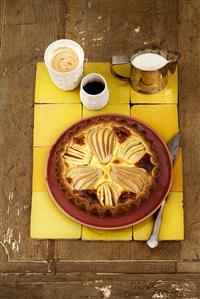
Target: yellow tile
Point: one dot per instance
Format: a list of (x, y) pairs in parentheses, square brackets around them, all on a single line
[(40, 155), (48, 222), (168, 95), (47, 92), (90, 234), (177, 184), (142, 230), (172, 226), (119, 89), (50, 120), (162, 118), (110, 108)]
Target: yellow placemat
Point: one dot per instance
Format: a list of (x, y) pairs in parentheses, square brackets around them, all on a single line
[(91, 234), (162, 118), (48, 222), (54, 111), (40, 155), (172, 226), (110, 108), (47, 92), (50, 120), (177, 184)]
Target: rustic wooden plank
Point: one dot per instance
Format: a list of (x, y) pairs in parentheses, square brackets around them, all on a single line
[(188, 266), (11, 278), (7, 278), (106, 28), (100, 286), (10, 264), (25, 267), (100, 250), (31, 12), (22, 45), (2, 17), (189, 95), (116, 266), (91, 267), (122, 266)]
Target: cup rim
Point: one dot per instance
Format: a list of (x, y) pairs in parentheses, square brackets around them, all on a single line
[(63, 40), (89, 75)]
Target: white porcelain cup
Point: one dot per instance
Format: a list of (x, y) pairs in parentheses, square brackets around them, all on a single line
[(65, 80), (94, 101)]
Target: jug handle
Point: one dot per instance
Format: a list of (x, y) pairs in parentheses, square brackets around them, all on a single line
[(117, 60)]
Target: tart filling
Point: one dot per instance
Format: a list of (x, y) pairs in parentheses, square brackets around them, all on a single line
[(107, 169)]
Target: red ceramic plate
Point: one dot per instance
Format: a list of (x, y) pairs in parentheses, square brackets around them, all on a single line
[(134, 216)]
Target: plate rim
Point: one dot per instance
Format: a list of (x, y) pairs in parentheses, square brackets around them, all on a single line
[(105, 227)]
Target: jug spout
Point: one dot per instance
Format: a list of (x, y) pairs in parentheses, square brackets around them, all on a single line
[(173, 56)]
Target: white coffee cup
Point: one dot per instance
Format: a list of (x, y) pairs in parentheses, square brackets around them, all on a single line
[(94, 101), (65, 80)]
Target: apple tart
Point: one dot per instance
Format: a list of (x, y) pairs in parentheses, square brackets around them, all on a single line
[(106, 168)]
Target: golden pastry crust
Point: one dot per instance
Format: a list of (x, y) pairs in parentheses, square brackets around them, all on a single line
[(111, 172)]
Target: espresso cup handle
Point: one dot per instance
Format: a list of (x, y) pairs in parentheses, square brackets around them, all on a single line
[(117, 60)]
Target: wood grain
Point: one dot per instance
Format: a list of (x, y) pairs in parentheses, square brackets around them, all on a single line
[(2, 17), (105, 28), (189, 97), (100, 286), (22, 45), (23, 12), (117, 266), (100, 250)]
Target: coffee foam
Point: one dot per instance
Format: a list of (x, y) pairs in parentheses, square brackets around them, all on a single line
[(64, 59)]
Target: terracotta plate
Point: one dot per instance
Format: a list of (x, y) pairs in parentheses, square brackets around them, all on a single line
[(146, 208)]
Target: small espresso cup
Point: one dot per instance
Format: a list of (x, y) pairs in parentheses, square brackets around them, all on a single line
[(65, 80), (94, 92)]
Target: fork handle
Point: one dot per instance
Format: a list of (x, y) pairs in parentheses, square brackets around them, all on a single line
[(153, 240)]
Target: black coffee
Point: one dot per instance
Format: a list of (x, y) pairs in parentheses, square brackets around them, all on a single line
[(94, 87)]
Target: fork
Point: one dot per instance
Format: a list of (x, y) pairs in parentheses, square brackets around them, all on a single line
[(153, 240)]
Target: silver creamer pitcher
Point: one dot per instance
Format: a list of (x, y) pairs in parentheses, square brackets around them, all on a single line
[(150, 68)]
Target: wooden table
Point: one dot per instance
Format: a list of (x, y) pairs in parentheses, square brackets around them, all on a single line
[(76, 269)]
